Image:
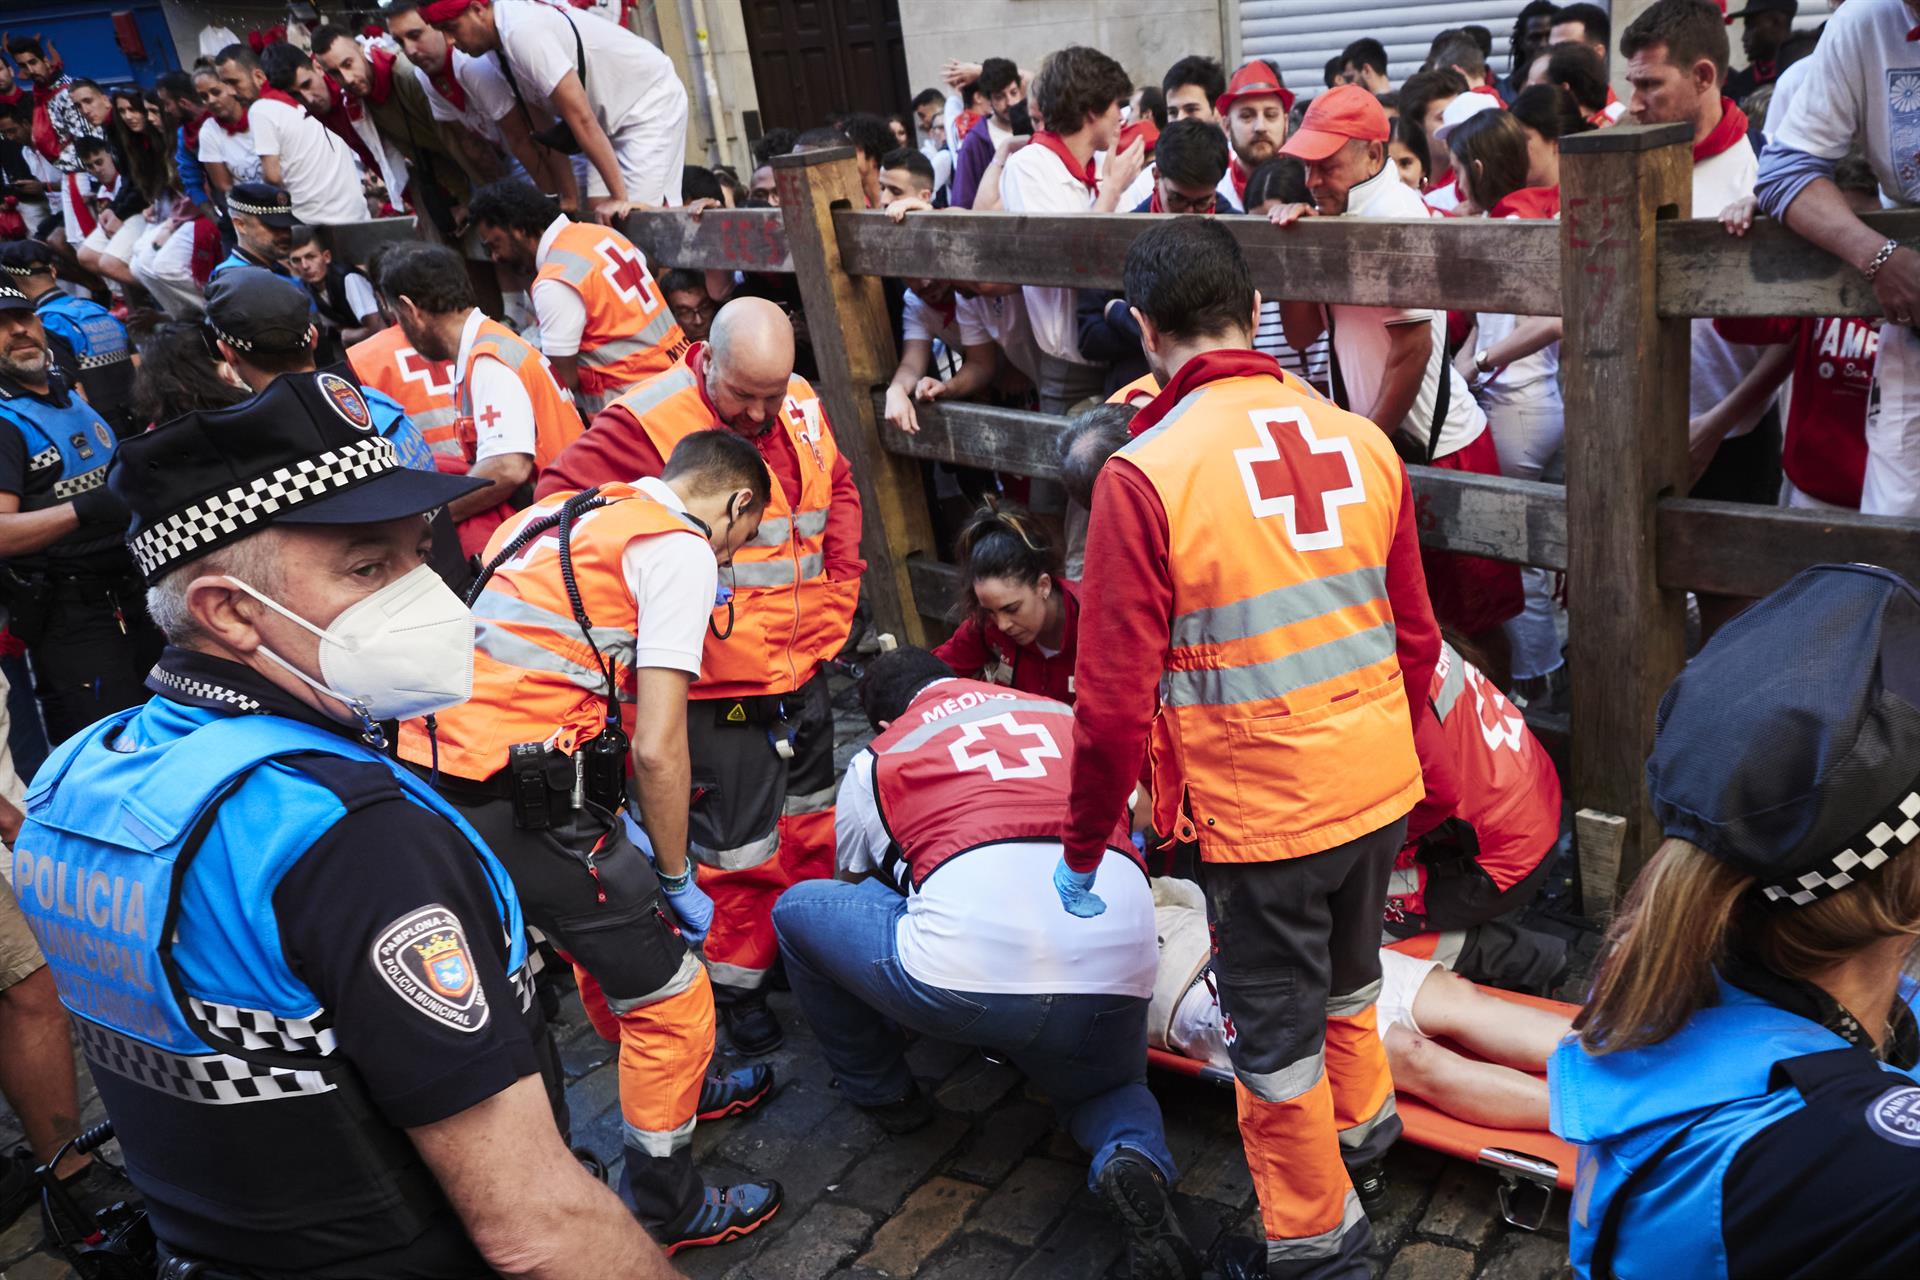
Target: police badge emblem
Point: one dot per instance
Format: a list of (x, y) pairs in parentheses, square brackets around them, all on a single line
[(346, 400), (425, 959)]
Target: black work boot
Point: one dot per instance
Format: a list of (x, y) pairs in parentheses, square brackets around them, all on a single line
[(751, 1027), (1136, 1192)]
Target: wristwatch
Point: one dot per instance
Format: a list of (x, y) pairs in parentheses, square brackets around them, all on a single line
[(1481, 362)]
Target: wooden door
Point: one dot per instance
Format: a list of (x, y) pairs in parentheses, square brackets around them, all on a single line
[(814, 58)]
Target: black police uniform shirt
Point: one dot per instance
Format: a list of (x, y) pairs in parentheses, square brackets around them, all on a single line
[(1830, 1190), (90, 549), (332, 906)]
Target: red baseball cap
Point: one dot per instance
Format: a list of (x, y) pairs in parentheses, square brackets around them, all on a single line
[(1336, 118), (1255, 80), (445, 10)]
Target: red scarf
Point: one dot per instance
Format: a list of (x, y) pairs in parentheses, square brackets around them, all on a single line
[(1208, 366), (1732, 128), (382, 75), (1155, 207), (1490, 91), (12, 95), (271, 94), (82, 216), (447, 87), (237, 127), (1239, 173), (962, 123), (191, 131), (1528, 202), (206, 249), (1055, 143)]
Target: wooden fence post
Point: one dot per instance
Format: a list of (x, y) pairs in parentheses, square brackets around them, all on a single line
[(854, 352), (1626, 371)]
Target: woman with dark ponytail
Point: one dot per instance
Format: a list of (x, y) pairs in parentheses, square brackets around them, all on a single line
[(1022, 618), (1743, 1078)]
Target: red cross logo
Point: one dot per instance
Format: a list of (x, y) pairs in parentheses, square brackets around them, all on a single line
[(973, 749), (435, 375), (1500, 724), (626, 271), (489, 416), (1294, 474)]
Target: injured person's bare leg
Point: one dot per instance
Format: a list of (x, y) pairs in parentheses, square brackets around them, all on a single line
[(1504, 1031), (1479, 1092)]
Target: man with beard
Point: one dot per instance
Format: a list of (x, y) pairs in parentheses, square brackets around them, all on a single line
[(384, 96), (296, 151), (41, 66), (1764, 27), (262, 217), (74, 598), (604, 321), (1253, 111)]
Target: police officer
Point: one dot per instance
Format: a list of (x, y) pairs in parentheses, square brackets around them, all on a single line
[(1744, 1083), (88, 341), (537, 761), (300, 978), (262, 216), (71, 592)]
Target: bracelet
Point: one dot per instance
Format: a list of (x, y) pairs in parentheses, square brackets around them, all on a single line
[(674, 884), (1872, 268)]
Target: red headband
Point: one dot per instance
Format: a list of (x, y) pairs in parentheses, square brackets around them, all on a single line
[(446, 10)]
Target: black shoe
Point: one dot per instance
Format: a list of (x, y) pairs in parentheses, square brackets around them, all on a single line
[(98, 1186), (915, 1111), (592, 1163), (1239, 1258), (1370, 1184), (734, 1093), (751, 1027), (726, 1214), (19, 1184), (1157, 1249)]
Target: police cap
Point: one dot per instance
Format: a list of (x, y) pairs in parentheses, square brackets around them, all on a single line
[(262, 200), (255, 310), (1790, 747), (304, 451), (26, 258), (11, 299)]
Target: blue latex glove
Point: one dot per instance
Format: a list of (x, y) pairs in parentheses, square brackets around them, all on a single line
[(693, 909), (1076, 890)]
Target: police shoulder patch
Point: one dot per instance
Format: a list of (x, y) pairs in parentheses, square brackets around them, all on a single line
[(424, 957), (1895, 1115), (346, 400)]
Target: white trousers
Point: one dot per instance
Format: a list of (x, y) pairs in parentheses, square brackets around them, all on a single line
[(1892, 486), (1530, 433)]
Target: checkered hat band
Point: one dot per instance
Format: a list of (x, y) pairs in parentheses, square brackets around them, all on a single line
[(258, 210), (12, 270), (1893, 831), (213, 520), (243, 344)]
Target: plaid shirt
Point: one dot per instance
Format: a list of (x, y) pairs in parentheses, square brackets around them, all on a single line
[(69, 124)]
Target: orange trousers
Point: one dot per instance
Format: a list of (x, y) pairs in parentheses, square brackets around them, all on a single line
[(740, 946)]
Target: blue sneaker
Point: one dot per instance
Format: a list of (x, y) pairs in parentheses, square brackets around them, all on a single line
[(726, 1214), (734, 1093)]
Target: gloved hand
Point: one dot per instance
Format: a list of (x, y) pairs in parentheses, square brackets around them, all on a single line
[(1076, 890), (692, 908)]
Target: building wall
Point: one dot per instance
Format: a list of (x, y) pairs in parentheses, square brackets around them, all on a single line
[(1146, 36)]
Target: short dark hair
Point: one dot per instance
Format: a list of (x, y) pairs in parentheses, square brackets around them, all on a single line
[(913, 160), (178, 374), (1188, 276), (1330, 74), (996, 74), (281, 62), (81, 82), (1196, 69), (17, 45), (326, 35), (869, 133), (1086, 442), (1690, 29), (303, 235), (239, 54), (774, 142), (1550, 111), (1481, 36), (176, 83), (1420, 89), (433, 276), (1191, 153), (1153, 103), (679, 280), (894, 679), (929, 97), (1460, 50), (717, 459), (697, 182), (1365, 52), (1578, 67), (1283, 178), (513, 204), (90, 146), (1076, 82), (1595, 22)]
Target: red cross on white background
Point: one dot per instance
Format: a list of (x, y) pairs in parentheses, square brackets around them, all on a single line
[(626, 271), (1294, 474), (435, 375), (489, 416), (1005, 748)]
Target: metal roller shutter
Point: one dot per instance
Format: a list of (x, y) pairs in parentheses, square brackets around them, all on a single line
[(1299, 36)]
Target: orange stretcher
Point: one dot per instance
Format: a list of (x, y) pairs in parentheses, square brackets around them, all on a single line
[(1531, 1162)]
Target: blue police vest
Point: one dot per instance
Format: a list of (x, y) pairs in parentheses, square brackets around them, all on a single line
[(97, 338), (391, 421), (239, 259), (1672, 1117), (147, 865), (67, 454)]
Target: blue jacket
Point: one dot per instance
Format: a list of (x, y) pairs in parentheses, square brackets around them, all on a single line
[(186, 160), (391, 421), (1680, 1110)]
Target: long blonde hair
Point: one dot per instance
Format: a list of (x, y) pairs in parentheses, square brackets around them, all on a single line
[(1688, 910)]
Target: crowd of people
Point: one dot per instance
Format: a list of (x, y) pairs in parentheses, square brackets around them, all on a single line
[(503, 547)]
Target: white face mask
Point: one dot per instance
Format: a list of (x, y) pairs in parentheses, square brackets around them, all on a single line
[(404, 651)]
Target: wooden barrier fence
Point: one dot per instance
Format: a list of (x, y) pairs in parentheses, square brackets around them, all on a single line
[(1625, 260)]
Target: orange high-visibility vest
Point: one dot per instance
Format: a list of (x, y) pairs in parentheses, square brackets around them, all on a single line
[(556, 422), (534, 678), (1142, 390), (631, 333), (1284, 720), (424, 388), (788, 616)]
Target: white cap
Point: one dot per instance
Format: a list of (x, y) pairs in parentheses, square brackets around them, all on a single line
[(1464, 107)]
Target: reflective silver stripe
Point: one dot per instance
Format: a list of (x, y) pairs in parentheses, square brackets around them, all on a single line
[(497, 346), (1280, 607), (812, 802), (777, 573), (773, 532), (432, 419), (1154, 432), (657, 391), (811, 523), (1452, 685), (516, 650), (1353, 1002), (1358, 1135), (738, 858), (498, 606), (733, 975), (574, 267), (620, 348), (685, 976), (1324, 1245), (1289, 1082), (986, 710), (656, 1142), (495, 608), (1276, 678)]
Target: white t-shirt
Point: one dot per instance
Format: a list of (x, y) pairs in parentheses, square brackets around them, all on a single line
[(1862, 80), (992, 921), (1533, 379), (488, 97), (319, 171), (1361, 340), (562, 311), (502, 412), (673, 582), (922, 321), (360, 297), (625, 78), (1035, 180), (234, 150), (1719, 365), (1001, 320)]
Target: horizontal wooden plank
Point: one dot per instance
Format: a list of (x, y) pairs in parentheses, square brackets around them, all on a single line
[(1768, 272), (718, 240), (1518, 520), (1465, 264), (1737, 550), (355, 241)]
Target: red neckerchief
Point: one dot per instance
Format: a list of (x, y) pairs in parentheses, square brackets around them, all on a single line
[(75, 202), (1732, 128), (1528, 202), (238, 127), (1239, 173), (1913, 35), (382, 75), (191, 131), (1156, 207), (1490, 91), (45, 93), (1208, 366), (206, 249), (1055, 143), (1763, 72), (12, 95), (447, 87), (962, 125), (271, 94)]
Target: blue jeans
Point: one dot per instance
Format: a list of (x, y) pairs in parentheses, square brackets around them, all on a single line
[(1086, 1052)]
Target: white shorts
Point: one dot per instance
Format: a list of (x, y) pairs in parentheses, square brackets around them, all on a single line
[(1400, 979), (120, 244)]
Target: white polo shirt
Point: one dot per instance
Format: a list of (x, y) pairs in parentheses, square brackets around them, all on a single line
[(488, 97), (1001, 320), (1719, 365), (319, 171), (673, 582), (562, 311), (626, 77), (1035, 180), (502, 411)]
